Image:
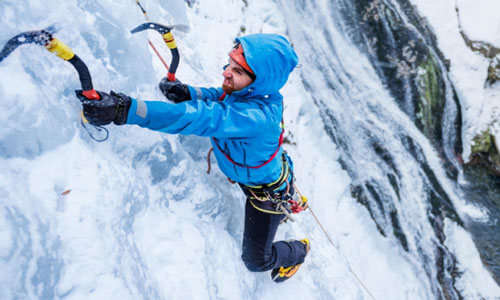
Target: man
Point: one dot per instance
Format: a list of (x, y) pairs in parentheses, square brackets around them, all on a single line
[(243, 120)]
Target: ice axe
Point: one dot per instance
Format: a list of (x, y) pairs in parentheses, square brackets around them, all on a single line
[(45, 38), (168, 37)]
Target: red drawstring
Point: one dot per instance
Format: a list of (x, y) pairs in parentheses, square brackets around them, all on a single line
[(221, 98)]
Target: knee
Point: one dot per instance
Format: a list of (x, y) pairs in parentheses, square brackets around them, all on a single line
[(256, 262), (254, 265)]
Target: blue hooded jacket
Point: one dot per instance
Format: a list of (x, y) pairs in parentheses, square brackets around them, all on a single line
[(245, 124)]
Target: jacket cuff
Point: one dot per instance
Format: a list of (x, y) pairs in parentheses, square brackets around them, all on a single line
[(137, 112), (195, 92)]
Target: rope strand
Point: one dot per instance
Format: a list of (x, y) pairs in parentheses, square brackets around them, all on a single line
[(149, 41), (343, 258)]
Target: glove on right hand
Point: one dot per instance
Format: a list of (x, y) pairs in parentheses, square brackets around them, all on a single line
[(175, 90), (112, 107)]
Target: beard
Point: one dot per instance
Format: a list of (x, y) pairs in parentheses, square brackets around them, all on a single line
[(228, 89)]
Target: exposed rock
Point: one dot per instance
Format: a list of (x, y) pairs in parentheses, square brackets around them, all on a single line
[(485, 150), (487, 50)]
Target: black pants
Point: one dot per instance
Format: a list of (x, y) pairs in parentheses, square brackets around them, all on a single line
[(259, 252)]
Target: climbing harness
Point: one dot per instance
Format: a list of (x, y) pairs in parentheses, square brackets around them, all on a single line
[(273, 198), (45, 38), (168, 38)]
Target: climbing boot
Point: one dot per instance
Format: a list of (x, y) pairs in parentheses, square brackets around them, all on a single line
[(283, 273)]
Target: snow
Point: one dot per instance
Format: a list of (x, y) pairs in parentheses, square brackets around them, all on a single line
[(480, 20), (142, 219), (463, 247)]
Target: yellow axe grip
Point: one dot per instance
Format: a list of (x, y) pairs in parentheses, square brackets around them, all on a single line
[(60, 49), (169, 39)]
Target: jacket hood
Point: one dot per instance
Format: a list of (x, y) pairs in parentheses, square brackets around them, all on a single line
[(272, 59)]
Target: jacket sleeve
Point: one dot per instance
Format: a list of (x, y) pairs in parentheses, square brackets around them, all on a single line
[(205, 94), (202, 118)]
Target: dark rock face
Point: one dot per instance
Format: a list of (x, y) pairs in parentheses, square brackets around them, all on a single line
[(393, 174), (404, 52)]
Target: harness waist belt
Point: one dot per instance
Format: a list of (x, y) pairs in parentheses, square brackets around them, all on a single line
[(268, 189)]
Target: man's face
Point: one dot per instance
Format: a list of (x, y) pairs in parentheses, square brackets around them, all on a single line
[(235, 78)]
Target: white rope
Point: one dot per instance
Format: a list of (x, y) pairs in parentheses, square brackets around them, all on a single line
[(345, 260)]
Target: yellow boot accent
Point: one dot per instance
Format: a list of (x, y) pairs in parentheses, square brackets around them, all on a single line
[(286, 272), (289, 271)]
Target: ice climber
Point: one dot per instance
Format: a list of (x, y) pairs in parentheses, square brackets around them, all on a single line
[(243, 120)]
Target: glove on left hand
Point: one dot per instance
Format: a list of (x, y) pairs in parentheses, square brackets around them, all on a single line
[(111, 107), (175, 90)]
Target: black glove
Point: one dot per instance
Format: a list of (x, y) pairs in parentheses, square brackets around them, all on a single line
[(175, 90), (111, 107)]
